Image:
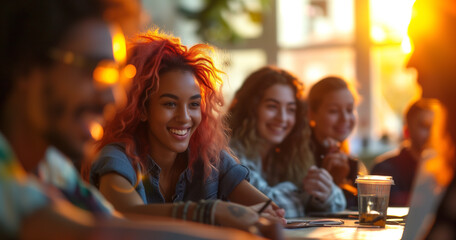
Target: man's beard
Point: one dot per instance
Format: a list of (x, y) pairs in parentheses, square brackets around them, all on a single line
[(57, 138), (63, 144), (56, 110)]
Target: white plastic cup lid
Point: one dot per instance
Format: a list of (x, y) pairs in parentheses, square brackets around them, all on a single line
[(374, 179)]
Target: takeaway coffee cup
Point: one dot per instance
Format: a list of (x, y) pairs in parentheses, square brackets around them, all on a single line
[(373, 198)]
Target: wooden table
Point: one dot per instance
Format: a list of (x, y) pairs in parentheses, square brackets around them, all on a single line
[(390, 232), (349, 230)]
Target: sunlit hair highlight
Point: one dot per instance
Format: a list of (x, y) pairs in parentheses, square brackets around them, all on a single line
[(289, 160), (153, 54), (438, 158)]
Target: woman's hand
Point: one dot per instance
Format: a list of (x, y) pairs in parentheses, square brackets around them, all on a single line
[(335, 161), (318, 183), (273, 212), (228, 214), (248, 195), (337, 165)]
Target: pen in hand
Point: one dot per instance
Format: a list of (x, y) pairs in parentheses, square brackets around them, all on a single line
[(264, 206)]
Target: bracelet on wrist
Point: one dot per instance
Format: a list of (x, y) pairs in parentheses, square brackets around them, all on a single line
[(175, 209), (185, 210)]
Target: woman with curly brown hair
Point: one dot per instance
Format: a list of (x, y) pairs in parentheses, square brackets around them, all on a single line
[(167, 147), (271, 136)]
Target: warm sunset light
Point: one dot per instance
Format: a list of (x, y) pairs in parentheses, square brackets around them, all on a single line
[(378, 34), (439, 162), (406, 45), (96, 130), (304, 22), (424, 21), (390, 19), (315, 71)]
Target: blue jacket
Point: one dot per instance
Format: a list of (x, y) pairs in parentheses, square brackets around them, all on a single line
[(190, 186)]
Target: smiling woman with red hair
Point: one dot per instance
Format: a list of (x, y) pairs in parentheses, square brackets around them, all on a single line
[(153, 55), (168, 143)]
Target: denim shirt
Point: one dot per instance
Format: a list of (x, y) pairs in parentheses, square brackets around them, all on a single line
[(190, 187)]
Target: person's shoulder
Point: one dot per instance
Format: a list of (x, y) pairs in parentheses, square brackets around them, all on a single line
[(228, 162), (112, 155), (234, 158), (112, 159), (112, 149), (387, 156), (385, 162), (227, 158)]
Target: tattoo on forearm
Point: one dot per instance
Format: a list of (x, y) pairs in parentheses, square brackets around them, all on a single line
[(236, 211)]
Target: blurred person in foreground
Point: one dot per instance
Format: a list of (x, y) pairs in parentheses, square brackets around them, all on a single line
[(54, 55), (433, 33), (402, 164)]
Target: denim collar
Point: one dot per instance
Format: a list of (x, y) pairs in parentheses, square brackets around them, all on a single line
[(154, 169)]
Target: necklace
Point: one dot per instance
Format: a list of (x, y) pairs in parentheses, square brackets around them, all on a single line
[(162, 191), (166, 194), (172, 181)]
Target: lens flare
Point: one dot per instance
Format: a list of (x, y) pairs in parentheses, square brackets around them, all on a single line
[(106, 75), (119, 47), (129, 71), (107, 72), (96, 130)]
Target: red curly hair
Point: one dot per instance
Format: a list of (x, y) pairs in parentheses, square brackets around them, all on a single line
[(154, 54)]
